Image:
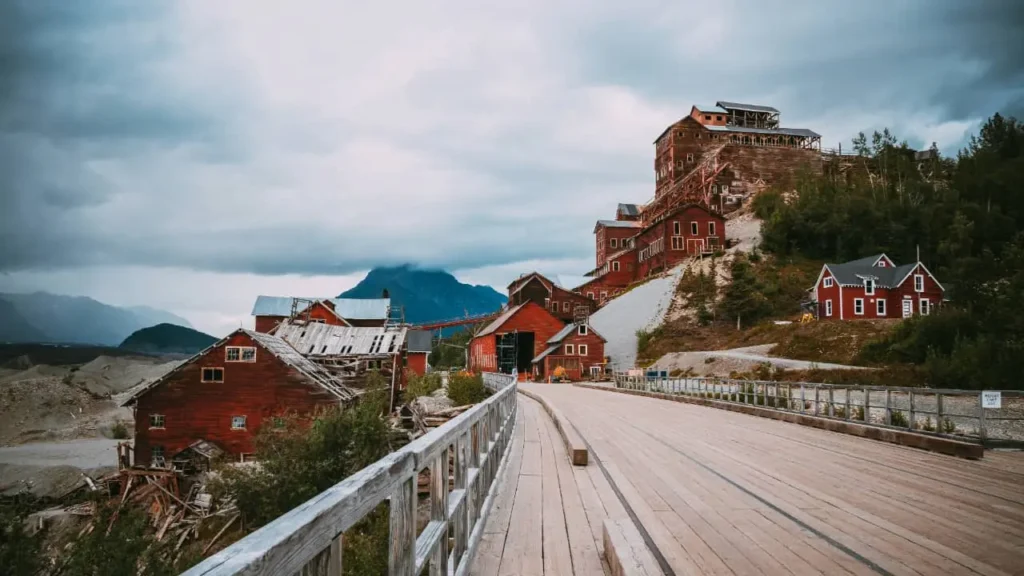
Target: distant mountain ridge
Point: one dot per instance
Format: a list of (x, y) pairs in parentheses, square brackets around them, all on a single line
[(167, 339), (426, 295), (52, 318)]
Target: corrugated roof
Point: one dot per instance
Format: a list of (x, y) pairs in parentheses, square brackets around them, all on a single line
[(317, 339), (629, 209), (618, 223), (800, 132), (348, 308), (747, 107), (853, 274), (710, 109), (493, 326), (418, 341), (279, 348), (569, 328), (544, 354)]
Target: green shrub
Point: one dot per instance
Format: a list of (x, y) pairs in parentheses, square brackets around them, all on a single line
[(858, 413), (466, 389), (899, 419), (948, 426), (421, 385), (928, 425), (119, 431)]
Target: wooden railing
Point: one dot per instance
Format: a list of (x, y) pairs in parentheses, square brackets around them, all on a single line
[(960, 414), (309, 539)]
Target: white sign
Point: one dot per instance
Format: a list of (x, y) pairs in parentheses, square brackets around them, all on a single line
[(990, 399)]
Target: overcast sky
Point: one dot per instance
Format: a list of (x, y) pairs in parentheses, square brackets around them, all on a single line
[(191, 155)]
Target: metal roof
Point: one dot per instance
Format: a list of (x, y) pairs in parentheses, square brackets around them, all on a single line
[(853, 274), (418, 341), (800, 132), (544, 354), (279, 348), (629, 209), (711, 109), (318, 340), (494, 326), (747, 107), (348, 308), (569, 329), (570, 283)]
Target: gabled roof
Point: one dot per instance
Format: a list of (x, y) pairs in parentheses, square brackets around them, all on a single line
[(316, 339), (569, 329), (313, 372), (616, 224), (496, 324), (710, 109), (869, 261), (855, 274), (628, 209), (348, 308), (544, 354), (747, 107)]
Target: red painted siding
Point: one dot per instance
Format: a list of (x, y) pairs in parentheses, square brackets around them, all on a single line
[(603, 239), (417, 362), (844, 299), (581, 370), (543, 292), (196, 410), (265, 324), (530, 318), (667, 252), (932, 292)]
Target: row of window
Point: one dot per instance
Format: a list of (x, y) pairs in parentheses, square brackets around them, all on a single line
[(159, 421), (869, 284), (604, 295), (677, 228), (240, 354), (569, 348), (923, 305)]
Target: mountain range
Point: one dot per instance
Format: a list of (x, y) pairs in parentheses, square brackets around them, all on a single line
[(167, 339), (45, 317), (426, 295)]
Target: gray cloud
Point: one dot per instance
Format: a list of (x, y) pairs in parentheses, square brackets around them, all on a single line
[(253, 139)]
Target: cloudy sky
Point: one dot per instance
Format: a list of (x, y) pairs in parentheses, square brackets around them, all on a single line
[(190, 155)]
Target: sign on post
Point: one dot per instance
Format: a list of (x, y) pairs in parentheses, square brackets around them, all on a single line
[(991, 399)]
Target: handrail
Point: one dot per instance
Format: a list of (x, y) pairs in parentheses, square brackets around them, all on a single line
[(951, 413), (310, 537)]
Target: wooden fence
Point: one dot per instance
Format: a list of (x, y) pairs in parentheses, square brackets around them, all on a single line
[(308, 540)]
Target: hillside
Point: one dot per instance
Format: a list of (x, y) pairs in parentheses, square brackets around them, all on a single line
[(54, 318), (167, 339), (426, 295)]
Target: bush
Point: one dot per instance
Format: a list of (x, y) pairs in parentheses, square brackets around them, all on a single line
[(421, 385), (119, 431), (899, 419), (466, 389)]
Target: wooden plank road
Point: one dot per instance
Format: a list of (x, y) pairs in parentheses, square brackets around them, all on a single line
[(718, 492)]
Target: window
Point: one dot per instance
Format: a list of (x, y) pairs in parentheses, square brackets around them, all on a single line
[(689, 157), (677, 228), (858, 306), (694, 230), (615, 266), (918, 282), (582, 330), (924, 306), (827, 283), (614, 242), (241, 353), (604, 295), (554, 306), (565, 306), (869, 286), (828, 307), (156, 420), (718, 118), (590, 295), (881, 263), (156, 456), (583, 349), (569, 349), (317, 321), (880, 307), (711, 228), (707, 116), (213, 375), (238, 422), (677, 242)]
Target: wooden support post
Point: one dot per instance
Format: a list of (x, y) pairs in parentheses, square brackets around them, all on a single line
[(816, 399), (938, 413), (439, 512), (334, 566), (888, 407), (982, 427), (402, 537), (803, 401), (867, 405), (910, 421), (460, 522), (847, 392), (831, 402)]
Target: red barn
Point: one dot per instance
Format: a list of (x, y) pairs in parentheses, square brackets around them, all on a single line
[(363, 312), (224, 394), (513, 339), (559, 299), (678, 234), (578, 349), (874, 287)]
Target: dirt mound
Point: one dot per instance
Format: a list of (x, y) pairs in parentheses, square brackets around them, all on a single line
[(106, 375), (37, 372)]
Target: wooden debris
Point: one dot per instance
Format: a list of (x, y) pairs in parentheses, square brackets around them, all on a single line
[(217, 537)]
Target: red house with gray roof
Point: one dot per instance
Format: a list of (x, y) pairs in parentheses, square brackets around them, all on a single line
[(875, 287), (577, 349)]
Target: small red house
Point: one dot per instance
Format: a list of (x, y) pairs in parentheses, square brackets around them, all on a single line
[(578, 349), (224, 394), (363, 312), (682, 232), (513, 339), (560, 300), (874, 287), (417, 343)]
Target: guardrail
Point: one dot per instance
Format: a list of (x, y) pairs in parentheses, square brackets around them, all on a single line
[(309, 538), (943, 412)]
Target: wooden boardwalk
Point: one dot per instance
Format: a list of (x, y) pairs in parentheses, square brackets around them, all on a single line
[(724, 493)]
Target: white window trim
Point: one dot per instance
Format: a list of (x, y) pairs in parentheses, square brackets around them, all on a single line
[(590, 295), (554, 306), (581, 329), (855, 302), (880, 307), (918, 282), (924, 307), (202, 374), (677, 229), (827, 282), (711, 228), (163, 422), (241, 353), (604, 295), (614, 242), (868, 282), (568, 349), (242, 427), (565, 306), (582, 349), (615, 266), (828, 307), (694, 229)]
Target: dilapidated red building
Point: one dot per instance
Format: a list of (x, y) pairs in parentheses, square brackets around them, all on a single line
[(225, 394), (562, 301), (873, 288), (577, 349), (270, 311), (513, 339)]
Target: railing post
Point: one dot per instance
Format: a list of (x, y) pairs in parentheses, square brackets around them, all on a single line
[(817, 399), (803, 401), (831, 402), (867, 404), (402, 536), (888, 407), (439, 511), (847, 391), (938, 413), (982, 427), (334, 566), (910, 421), (461, 528)]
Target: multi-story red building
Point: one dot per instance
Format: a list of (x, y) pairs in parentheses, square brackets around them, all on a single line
[(873, 288), (577, 349), (563, 301)]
